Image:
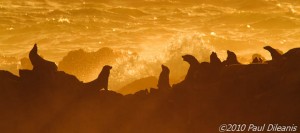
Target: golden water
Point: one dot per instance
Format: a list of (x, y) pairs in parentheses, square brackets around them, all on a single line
[(146, 32)]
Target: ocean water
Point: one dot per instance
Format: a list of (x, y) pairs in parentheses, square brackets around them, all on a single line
[(158, 31)]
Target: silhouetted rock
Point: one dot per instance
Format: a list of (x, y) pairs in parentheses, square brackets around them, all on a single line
[(275, 53), (154, 91), (142, 93), (102, 81), (26, 74), (40, 64), (131, 88), (163, 81), (9, 83), (231, 59), (208, 97), (5, 75)]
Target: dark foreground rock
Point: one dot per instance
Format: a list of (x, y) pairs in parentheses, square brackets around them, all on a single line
[(213, 94)]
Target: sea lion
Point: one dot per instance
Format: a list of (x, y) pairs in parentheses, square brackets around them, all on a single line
[(231, 59), (163, 81), (275, 53), (102, 80), (39, 63)]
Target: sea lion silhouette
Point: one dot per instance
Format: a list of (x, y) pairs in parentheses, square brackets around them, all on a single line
[(39, 63), (231, 58), (214, 59), (102, 80), (275, 53), (163, 81), (194, 64)]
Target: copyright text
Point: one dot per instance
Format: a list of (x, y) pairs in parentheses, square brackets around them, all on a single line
[(257, 128)]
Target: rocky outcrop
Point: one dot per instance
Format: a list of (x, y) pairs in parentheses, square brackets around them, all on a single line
[(268, 92)]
